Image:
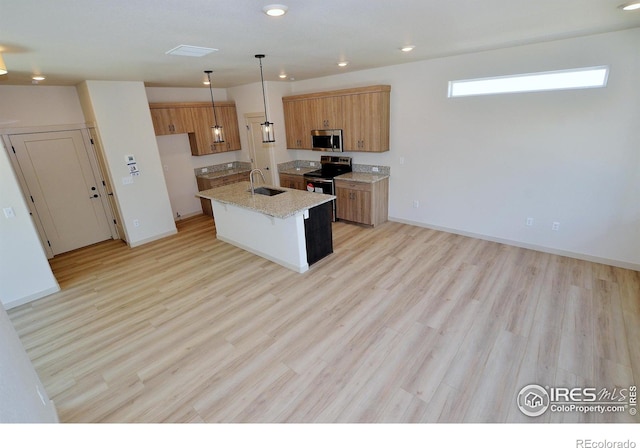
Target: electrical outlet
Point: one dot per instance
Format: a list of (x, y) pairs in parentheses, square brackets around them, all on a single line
[(529, 222), (204, 170), (401, 160), (312, 163), (127, 180), (229, 165), (416, 204), (375, 169), (555, 225), (136, 223)]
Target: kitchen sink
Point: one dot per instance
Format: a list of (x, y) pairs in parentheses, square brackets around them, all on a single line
[(266, 191)]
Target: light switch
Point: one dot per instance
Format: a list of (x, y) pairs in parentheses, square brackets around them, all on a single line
[(8, 212)]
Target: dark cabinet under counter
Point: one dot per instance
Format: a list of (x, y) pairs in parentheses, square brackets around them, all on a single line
[(318, 233)]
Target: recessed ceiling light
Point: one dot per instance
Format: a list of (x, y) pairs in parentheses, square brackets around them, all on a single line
[(283, 75), (38, 78), (343, 63), (206, 82), (275, 10), (630, 6), (408, 48)]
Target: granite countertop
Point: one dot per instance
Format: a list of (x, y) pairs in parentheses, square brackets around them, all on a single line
[(282, 205), (298, 171), (222, 173), (362, 177)]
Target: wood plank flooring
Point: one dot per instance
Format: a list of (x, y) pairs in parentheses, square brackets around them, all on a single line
[(400, 324)]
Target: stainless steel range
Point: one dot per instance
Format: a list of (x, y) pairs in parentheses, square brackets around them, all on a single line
[(321, 181)]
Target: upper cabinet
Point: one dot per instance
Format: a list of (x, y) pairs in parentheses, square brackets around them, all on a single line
[(362, 114), (196, 119), (170, 120)]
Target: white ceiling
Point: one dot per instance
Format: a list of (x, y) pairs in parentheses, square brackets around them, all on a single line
[(73, 40)]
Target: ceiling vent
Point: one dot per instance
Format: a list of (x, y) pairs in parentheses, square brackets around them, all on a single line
[(190, 50)]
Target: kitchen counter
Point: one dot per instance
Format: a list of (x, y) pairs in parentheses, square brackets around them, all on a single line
[(369, 178), (292, 229), (223, 173), (298, 171), (280, 206)]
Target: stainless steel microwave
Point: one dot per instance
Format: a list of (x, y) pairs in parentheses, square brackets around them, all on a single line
[(326, 140)]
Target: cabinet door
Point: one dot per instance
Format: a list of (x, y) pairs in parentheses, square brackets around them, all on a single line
[(168, 121), (292, 181), (229, 121), (353, 205), (201, 140), (297, 124), (326, 112), (366, 122)]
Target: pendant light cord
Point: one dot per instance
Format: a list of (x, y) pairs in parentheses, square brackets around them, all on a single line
[(264, 98), (215, 116)]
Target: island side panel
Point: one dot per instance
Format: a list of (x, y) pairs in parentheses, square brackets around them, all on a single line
[(279, 240)]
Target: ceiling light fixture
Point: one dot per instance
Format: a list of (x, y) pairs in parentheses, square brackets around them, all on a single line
[(38, 78), (216, 131), (283, 76), (408, 48), (343, 63), (275, 10), (3, 67), (630, 6), (268, 135)]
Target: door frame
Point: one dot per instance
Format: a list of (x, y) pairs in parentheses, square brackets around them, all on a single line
[(95, 168), (248, 119)]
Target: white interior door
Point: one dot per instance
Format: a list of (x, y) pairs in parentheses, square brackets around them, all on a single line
[(261, 153), (63, 188)]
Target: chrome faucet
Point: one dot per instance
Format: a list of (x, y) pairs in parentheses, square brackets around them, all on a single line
[(255, 170)]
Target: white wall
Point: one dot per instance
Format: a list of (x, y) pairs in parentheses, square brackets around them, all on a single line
[(482, 165), (175, 153), (121, 112), (22, 396), (25, 273)]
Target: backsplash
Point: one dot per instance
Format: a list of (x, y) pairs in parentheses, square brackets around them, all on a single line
[(223, 167), (292, 165), (384, 170)]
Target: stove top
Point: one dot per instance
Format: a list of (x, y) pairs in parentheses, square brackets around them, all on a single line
[(332, 166)]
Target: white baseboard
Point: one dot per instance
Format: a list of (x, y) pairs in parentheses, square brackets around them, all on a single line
[(153, 238), (549, 250)]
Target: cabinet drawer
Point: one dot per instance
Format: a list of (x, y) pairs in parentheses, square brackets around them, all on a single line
[(351, 185)]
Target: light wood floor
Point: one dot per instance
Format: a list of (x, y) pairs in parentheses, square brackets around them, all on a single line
[(400, 324)]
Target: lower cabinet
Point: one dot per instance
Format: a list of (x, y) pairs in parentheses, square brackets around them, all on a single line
[(318, 233), (207, 184), (293, 181), (362, 202)]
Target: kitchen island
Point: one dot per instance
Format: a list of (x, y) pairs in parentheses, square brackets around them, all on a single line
[(291, 228)]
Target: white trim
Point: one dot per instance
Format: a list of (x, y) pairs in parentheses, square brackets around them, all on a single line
[(549, 250), (153, 238), (31, 297), (38, 129)]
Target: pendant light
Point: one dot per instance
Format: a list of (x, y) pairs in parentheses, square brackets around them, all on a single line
[(268, 135), (3, 67), (216, 131)]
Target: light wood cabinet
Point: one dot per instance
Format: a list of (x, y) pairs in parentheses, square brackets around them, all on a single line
[(196, 119), (297, 124), (326, 112), (362, 114), (206, 184), (362, 202), (170, 120), (293, 181)]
